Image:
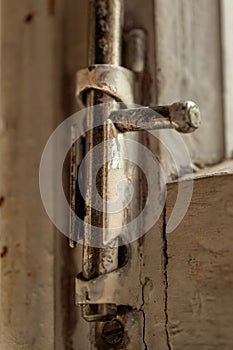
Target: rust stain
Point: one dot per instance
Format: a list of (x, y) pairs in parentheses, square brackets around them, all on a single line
[(51, 7), (29, 17), (4, 251), (18, 245), (2, 200), (146, 82), (67, 278)]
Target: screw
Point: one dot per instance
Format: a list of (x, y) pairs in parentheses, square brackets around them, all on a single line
[(112, 332)]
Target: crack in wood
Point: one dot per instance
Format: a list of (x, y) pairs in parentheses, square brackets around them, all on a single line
[(141, 309), (165, 255), (143, 314)]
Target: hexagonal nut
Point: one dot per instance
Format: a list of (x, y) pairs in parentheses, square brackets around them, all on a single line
[(185, 116)]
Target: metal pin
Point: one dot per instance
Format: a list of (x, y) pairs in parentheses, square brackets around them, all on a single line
[(184, 116), (135, 50)]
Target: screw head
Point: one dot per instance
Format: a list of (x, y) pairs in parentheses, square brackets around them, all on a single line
[(112, 332)]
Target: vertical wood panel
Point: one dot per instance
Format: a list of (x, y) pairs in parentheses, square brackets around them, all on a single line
[(153, 288), (72, 332), (28, 97), (188, 49), (141, 15), (227, 47)]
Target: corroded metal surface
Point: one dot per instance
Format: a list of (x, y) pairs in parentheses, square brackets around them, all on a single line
[(98, 85), (184, 116), (114, 287), (105, 30), (104, 48), (115, 81), (104, 283)]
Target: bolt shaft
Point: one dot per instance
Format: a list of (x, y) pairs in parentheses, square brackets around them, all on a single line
[(184, 116), (105, 27)]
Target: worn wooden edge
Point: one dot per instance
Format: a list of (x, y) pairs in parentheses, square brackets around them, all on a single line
[(223, 168), (226, 10)]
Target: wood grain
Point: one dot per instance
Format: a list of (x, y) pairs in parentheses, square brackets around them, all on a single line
[(71, 28), (188, 49), (227, 66), (28, 114), (199, 268)]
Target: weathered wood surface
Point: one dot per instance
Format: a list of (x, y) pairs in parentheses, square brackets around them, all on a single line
[(72, 332), (199, 268), (186, 282), (188, 66), (28, 113), (227, 66), (153, 281), (188, 50)]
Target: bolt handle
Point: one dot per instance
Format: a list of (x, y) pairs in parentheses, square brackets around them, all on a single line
[(184, 116)]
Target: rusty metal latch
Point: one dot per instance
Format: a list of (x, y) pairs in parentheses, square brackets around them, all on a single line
[(100, 287), (184, 116)]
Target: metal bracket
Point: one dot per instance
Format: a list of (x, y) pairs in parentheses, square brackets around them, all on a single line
[(112, 287), (116, 81)]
